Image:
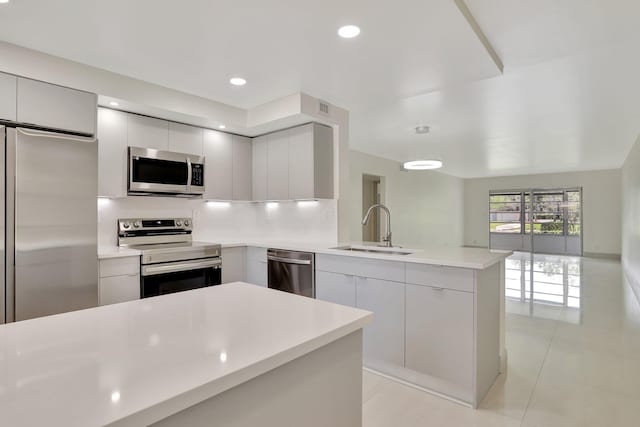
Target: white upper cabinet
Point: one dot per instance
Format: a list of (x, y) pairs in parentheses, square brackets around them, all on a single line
[(242, 163), (56, 107), (185, 139), (278, 166), (218, 172), (147, 132), (311, 162), (8, 85), (259, 168), (299, 164), (112, 153)]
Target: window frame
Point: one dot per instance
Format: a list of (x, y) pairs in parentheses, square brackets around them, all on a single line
[(524, 211)]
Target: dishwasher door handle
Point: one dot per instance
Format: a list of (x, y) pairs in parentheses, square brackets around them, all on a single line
[(289, 260)]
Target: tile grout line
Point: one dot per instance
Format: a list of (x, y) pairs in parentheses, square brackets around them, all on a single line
[(535, 385)]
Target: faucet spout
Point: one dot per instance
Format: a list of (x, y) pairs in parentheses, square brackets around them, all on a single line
[(365, 220)]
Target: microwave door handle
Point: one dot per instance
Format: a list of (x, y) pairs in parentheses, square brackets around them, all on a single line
[(189, 175)]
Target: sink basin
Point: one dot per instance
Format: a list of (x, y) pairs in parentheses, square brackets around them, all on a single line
[(376, 250)]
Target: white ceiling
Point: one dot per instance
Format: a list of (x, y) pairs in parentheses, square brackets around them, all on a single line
[(280, 46), (568, 99)]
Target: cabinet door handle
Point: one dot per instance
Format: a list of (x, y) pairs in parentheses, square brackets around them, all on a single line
[(438, 289)]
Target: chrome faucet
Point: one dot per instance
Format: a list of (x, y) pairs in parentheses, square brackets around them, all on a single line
[(365, 220)]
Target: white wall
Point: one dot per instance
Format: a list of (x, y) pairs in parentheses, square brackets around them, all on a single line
[(232, 222), (631, 218), (149, 98), (601, 205), (426, 206)]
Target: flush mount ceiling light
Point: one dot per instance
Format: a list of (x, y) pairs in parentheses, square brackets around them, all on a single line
[(237, 81), (419, 165), (348, 31), (422, 129)]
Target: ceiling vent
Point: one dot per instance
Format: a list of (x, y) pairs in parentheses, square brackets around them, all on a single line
[(323, 107)]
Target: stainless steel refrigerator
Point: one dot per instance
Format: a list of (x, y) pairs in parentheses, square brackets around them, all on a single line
[(49, 210)]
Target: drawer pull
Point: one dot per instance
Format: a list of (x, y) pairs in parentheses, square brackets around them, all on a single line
[(438, 289)]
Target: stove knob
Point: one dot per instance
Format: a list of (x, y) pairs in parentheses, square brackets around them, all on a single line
[(186, 223), (126, 225), (179, 223), (137, 224)]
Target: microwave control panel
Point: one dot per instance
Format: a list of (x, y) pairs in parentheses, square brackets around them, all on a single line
[(197, 174)]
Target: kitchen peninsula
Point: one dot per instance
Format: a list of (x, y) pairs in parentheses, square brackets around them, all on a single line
[(232, 355), (438, 312)]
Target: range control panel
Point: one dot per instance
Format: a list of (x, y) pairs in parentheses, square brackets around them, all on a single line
[(157, 225)]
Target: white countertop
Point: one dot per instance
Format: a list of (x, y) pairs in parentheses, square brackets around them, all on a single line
[(137, 362), (474, 258), (105, 252)]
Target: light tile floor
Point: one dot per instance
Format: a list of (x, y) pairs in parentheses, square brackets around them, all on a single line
[(573, 342)]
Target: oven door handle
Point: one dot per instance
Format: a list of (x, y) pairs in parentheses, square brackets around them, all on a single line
[(289, 260), (151, 270)]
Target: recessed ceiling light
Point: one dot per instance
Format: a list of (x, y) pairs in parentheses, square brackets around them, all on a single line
[(222, 127), (112, 103), (4, 1), (418, 165), (422, 129), (348, 31), (237, 81)]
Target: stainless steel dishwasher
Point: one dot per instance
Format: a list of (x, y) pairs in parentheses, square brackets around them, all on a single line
[(292, 271)]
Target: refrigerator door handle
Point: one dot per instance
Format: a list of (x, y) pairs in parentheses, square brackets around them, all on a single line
[(4, 305), (46, 134)]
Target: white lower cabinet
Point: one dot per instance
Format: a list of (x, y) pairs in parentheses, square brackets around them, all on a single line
[(440, 338), (336, 287), (233, 264), (257, 266), (433, 326), (383, 343), (119, 280), (117, 289)]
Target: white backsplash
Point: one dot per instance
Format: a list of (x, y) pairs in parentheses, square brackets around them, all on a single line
[(315, 221)]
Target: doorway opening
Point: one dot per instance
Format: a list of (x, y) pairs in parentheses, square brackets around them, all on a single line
[(372, 193)]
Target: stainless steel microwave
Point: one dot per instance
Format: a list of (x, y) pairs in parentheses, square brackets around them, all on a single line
[(165, 172)]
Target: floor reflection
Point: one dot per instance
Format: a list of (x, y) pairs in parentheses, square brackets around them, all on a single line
[(553, 284)]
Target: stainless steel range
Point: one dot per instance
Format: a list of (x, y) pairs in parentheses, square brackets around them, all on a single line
[(171, 261)]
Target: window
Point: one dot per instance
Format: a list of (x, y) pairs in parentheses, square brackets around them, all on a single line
[(553, 212), (505, 213), (548, 213), (573, 213)]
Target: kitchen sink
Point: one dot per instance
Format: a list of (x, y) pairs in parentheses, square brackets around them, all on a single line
[(376, 250)]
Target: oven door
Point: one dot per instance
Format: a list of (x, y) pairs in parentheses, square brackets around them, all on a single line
[(156, 171), (170, 277)]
